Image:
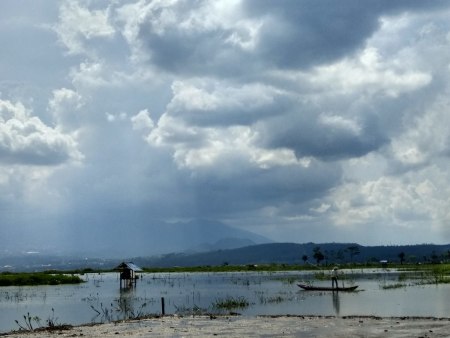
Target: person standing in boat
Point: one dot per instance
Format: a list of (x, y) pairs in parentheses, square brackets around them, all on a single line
[(334, 277)]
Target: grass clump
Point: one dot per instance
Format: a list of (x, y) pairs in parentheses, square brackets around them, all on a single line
[(33, 323), (37, 278), (230, 303)]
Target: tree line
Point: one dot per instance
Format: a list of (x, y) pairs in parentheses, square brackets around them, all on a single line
[(349, 253)]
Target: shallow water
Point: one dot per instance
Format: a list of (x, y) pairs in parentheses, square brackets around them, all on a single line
[(267, 293)]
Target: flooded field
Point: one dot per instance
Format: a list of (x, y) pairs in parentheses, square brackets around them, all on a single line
[(100, 299)]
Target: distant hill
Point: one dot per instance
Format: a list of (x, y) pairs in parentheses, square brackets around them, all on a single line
[(222, 244), (291, 253), (279, 253)]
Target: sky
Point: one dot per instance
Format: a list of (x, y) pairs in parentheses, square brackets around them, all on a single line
[(322, 121)]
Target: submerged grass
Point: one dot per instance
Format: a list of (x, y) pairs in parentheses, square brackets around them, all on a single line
[(230, 303), (37, 278), (394, 286), (429, 273), (34, 323)]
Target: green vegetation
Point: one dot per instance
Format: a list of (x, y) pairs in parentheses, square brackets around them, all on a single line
[(272, 299), (232, 268), (230, 303), (430, 273), (37, 278)]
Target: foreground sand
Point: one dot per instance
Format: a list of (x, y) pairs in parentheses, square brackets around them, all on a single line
[(283, 326)]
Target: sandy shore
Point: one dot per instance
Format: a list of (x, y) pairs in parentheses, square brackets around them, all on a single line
[(282, 326)]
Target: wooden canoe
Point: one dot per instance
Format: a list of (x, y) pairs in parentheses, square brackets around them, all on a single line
[(324, 288)]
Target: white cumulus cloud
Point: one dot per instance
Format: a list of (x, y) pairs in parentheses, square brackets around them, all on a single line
[(25, 139)]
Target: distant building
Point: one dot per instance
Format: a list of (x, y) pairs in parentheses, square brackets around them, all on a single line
[(384, 263), (128, 275)]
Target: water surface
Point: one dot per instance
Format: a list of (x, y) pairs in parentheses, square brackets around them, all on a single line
[(101, 299)]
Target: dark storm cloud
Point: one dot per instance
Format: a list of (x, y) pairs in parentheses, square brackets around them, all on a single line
[(324, 137), (301, 33), (290, 34), (41, 154), (181, 51), (251, 188)]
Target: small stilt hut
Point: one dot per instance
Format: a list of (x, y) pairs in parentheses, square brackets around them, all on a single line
[(128, 275)]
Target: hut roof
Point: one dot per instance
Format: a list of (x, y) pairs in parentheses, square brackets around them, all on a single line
[(127, 266)]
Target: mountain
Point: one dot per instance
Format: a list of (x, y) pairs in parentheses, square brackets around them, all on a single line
[(291, 253), (222, 244)]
